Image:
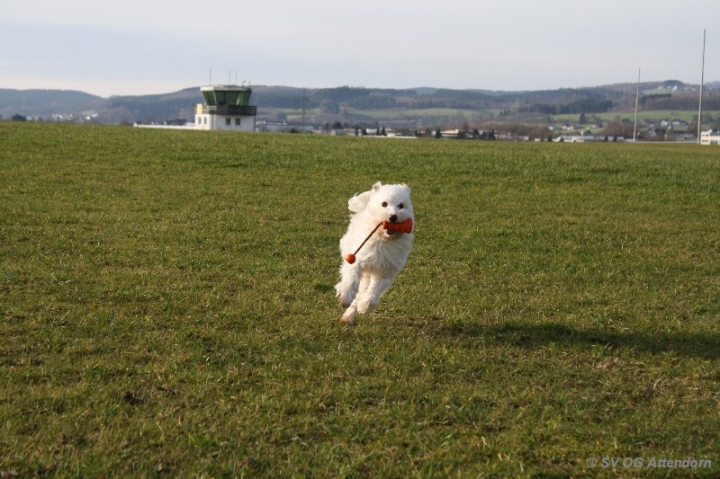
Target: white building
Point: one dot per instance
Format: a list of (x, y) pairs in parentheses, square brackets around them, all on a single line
[(710, 137), (225, 107)]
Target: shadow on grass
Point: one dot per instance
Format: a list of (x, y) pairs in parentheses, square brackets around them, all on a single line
[(701, 345)]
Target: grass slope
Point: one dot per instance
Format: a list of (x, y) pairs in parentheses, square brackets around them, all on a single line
[(167, 306)]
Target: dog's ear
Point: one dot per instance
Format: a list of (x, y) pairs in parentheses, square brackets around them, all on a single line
[(358, 202), (377, 186), (406, 187)]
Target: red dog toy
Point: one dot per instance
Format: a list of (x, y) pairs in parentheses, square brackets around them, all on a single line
[(404, 227)]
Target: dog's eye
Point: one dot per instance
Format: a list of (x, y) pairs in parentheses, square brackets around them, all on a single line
[(401, 206), (384, 204)]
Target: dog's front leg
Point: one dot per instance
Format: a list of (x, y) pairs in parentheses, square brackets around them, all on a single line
[(348, 316)]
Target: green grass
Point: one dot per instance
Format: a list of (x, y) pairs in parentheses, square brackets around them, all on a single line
[(167, 307)]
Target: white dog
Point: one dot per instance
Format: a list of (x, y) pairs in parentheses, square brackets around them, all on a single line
[(384, 254)]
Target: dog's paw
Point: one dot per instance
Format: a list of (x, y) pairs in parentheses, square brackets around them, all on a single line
[(348, 319), (345, 299)]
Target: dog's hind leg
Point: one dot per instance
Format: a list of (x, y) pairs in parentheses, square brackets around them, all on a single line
[(370, 296), (348, 316), (347, 288)]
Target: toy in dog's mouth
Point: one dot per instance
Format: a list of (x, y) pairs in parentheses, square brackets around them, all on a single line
[(390, 228), (402, 227)]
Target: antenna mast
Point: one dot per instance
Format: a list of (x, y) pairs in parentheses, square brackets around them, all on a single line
[(702, 81), (637, 97), (303, 110)]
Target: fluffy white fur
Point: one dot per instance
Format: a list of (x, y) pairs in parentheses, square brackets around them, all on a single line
[(383, 256)]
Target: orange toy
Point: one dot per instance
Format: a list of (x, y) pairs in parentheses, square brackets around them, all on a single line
[(404, 227)]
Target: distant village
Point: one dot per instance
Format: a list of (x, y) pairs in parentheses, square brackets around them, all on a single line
[(666, 129), (228, 107), (568, 132)]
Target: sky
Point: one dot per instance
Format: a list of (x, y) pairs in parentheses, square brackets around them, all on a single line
[(137, 47)]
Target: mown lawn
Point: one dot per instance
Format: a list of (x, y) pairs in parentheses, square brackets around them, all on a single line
[(167, 308)]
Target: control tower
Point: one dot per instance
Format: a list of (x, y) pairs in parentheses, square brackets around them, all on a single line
[(226, 107)]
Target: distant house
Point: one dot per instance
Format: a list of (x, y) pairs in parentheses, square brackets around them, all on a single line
[(575, 138), (653, 132), (450, 133), (710, 137)]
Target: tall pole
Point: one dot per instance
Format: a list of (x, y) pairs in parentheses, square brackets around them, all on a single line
[(637, 97), (303, 110), (702, 82)]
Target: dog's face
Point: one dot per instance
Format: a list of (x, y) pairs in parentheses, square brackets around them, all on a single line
[(389, 203)]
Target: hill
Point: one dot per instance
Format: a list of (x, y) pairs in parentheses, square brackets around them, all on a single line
[(57, 104), (412, 107), (149, 108)]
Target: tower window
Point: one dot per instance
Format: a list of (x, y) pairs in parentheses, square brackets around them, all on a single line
[(227, 121), (237, 121)]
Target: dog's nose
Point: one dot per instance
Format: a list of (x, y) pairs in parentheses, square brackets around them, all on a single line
[(393, 218)]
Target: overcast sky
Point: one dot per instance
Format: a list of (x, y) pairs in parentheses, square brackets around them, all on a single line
[(121, 47)]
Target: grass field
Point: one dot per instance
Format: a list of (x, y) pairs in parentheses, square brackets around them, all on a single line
[(167, 308)]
